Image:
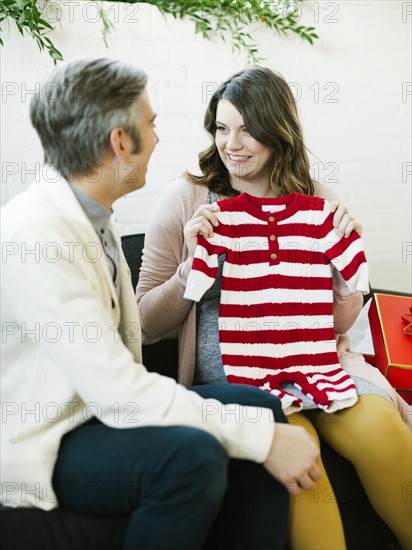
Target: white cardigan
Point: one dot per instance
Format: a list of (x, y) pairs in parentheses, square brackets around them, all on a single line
[(63, 360)]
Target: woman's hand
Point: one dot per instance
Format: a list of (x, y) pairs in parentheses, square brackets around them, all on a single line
[(343, 221), (203, 221)]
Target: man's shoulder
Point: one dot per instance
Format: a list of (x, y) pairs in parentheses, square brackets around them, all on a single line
[(20, 211), (27, 216)]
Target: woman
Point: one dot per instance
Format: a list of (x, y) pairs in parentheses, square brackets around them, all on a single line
[(258, 149)]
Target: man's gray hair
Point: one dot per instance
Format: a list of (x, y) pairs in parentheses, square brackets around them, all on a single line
[(77, 106)]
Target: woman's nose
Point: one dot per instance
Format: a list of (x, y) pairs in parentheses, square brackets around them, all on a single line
[(234, 141)]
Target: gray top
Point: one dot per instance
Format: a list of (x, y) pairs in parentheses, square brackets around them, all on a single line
[(99, 217), (209, 366)]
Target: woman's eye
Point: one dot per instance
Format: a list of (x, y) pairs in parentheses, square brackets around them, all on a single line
[(220, 128), (246, 132)]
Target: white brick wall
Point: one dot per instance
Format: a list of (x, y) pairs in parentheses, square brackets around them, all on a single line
[(353, 87)]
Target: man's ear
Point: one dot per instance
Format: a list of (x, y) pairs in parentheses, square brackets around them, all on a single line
[(118, 141)]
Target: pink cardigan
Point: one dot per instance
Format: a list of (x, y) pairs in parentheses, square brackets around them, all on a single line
[(165, 269)]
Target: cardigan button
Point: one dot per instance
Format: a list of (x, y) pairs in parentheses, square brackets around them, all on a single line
[(273, 256), (271, 218), (272, 237)]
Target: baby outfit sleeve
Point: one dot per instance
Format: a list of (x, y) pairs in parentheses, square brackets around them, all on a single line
[(348, 257), (205, 266)]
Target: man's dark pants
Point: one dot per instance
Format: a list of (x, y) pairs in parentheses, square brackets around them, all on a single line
[(177, 483)]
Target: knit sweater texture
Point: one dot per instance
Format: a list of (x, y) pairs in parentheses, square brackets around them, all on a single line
[(166, 266), (276, 309)]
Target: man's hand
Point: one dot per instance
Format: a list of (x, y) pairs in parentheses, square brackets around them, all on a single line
[(293, 458)]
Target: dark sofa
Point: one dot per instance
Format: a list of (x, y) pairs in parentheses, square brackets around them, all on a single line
[(60, 529)]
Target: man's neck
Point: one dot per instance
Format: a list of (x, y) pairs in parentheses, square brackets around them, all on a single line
[(98, 186)]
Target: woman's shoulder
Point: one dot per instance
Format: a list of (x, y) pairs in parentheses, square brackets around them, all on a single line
[(185, 187), (179, 200), (182, 190), (324, 191)]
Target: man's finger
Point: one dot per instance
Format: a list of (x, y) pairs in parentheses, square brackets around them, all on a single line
[(306, 482)]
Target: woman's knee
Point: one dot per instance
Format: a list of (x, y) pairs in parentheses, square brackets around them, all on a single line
[(371, 421), (373, 414)]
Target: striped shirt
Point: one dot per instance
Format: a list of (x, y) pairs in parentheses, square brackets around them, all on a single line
[(276, 307)]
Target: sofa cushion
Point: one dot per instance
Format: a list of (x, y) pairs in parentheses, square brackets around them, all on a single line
[(35, 529)]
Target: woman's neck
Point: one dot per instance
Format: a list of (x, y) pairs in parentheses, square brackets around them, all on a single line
[(261, 189)]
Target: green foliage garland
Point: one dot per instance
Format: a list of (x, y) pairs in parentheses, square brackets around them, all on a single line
[(222, 17), (28, 17)]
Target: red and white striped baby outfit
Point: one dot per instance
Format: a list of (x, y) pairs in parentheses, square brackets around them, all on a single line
[(276, 309)]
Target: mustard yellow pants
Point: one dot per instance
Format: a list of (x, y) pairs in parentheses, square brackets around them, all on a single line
[(373, 437)]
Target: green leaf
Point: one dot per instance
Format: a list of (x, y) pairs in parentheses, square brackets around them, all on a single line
[(221, 18)]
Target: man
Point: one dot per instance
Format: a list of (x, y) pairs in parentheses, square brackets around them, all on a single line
[(85, 426)]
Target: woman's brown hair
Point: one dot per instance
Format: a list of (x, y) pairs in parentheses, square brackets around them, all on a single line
[(268, 108)]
